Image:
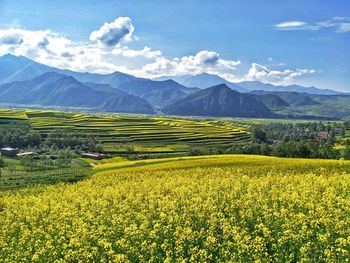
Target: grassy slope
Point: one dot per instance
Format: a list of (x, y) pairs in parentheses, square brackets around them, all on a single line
[(330, 106), (19, 177)]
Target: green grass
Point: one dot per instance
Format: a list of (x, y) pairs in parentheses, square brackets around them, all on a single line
[(14, 175)]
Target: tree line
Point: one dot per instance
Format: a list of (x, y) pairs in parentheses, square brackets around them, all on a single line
[(289, 140)]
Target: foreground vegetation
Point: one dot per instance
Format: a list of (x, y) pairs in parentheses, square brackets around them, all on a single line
[(236, 208)]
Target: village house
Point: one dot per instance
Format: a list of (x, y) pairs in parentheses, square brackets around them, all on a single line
[(321, 136), (96, 156), (9, 152), (25, 154)]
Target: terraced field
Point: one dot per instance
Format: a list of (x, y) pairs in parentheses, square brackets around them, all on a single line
[(146, 134)]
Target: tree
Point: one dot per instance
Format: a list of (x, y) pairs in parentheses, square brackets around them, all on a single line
[(346, 154), (259, 134), (2, 162), (28, 163)]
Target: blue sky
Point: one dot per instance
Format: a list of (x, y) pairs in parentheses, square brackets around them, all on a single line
[(281, 42)]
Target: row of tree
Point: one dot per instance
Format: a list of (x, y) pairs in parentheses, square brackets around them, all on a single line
[(283, 149), (21, 135)]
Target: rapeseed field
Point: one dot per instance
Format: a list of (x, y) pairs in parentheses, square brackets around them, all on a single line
[(228, 208)]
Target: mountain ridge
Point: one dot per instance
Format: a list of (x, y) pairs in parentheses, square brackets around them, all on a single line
[(54, 89), (219, 101), (205, 80)]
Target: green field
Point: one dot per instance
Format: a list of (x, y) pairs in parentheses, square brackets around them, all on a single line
[(145, 134), (227, 208), (18, 177)]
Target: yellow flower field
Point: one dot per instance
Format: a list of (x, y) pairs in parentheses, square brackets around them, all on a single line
[(230, 208)]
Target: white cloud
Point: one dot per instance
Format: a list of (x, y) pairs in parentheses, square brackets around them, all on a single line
[(287, 76), (343, 28), (340, 24), (110, 34), (203, 61), (207, 57), (131, 53), (291, 24)]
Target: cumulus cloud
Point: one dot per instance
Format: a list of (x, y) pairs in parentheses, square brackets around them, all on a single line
[(207, 57), (203, 61), (110, 34), (31, 43), (10, 39), (340, 24), (287, 76)]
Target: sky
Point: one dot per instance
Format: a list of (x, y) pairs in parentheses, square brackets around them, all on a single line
[(304, 42)]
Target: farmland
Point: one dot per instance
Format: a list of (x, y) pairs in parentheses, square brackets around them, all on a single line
[(197, 209), (211, 208), (144, 134), (15, 176)]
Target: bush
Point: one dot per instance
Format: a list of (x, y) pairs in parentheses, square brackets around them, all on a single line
[(346, 154)]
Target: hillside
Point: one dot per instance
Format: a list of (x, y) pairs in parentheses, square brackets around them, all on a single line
[(219, 101), (291, 98), (273, 102), (159, 93), (53, 89)]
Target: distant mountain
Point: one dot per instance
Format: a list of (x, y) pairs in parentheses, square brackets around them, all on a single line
[(257, 85), (219, 101), (24, 81), (292, 98), (206, 80), (272, 101), (13, 68), (203, 81), (54, 89), (159, 93), (114, 79)]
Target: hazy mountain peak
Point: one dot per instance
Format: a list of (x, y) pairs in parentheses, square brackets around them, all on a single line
[(221, 87)]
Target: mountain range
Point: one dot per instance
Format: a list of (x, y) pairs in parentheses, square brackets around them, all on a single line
[(26, 82), (54, 89), (206, 80)]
